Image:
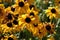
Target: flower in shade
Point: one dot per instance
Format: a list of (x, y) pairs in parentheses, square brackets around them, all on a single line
[(38, 30), (49, 27), (57, 2)]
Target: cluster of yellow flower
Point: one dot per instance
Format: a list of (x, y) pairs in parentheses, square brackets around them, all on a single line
[(23, 14)]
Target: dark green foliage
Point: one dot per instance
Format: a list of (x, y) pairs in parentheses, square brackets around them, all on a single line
[(44, 18)]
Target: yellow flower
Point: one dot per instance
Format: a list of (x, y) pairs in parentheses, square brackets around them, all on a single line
[(26, 20), (11, 24), (49, 27), (41, 33), (1, 30), (37, 29), (2, 11), (18, 25), (32, 12), (32, 7), (7, 18), (9, 37), (52, 12), (21, 6), (13, 10), (5, 28), (34, 27)]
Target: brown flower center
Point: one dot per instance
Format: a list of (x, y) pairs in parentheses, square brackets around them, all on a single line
[(59, 2), (10, 38), (9, 16), (12, 9), (53, 10), (35, 24), (31, 14), (15, 22), (28, 20), (21, 4), (9, 24), (31, 6), (48, 27)]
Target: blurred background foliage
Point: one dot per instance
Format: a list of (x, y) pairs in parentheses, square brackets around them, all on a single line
[(25, 34)]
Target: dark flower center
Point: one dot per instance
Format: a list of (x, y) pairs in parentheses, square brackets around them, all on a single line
[(15, 22), (10, 38), (25, 0), (59, 2), (12, 9), (31, 6), (31, 14), (28, 20), (21, 4), (9, 16), (39, 31), (9, 24), (48, 27), (16, 16), (35, 24), (0, 11), (53, 10)]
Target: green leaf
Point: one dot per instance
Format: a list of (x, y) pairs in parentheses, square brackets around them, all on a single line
[(44, 38), (25, 34)]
